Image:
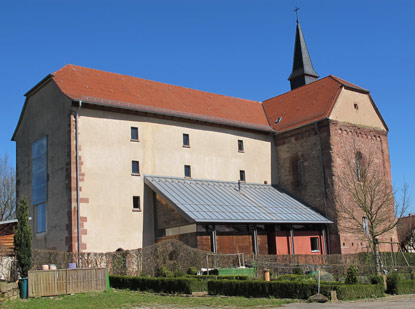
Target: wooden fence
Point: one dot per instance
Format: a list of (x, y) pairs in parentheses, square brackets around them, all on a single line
[(66, 281)]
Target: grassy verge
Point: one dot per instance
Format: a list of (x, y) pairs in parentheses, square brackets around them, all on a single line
[(126, 299)]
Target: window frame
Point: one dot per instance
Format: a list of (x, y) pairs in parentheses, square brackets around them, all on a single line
[(42, 202), (242, 176), (189, 169), (132, 168), (136, 201), (132, 139), (317, 238), (186, 138), (241, 147)]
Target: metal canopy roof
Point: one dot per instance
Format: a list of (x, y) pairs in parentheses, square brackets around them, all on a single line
[(219, 201)]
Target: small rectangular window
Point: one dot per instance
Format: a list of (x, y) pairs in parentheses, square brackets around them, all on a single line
[(315, 244), (134, 133), (135, 168), (242, 175), (136, 203), (186, 140), (187, 171), (41, 218), (240, 145)]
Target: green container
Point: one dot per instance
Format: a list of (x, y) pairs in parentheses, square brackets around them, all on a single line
[(250, 272), (23, 288)]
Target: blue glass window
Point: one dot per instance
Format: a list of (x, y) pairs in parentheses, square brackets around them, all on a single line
[(40, 182), (41, 218), (135, 167)]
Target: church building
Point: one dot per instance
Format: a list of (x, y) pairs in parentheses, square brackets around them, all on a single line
[(109, 161)]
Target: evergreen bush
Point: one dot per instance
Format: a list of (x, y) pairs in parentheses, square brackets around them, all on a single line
[(23, 239), (351, 276), (192, 271), (298, 270), (164, 272)]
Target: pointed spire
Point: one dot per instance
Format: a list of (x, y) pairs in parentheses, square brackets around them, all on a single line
[(303, 72)]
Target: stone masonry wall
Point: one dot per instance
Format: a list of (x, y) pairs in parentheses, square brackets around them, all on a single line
[(346, 139)]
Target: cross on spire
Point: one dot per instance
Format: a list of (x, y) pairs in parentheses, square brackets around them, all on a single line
[(296, 12)]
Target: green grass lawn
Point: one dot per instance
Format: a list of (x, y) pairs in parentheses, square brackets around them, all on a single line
[(126, 299)]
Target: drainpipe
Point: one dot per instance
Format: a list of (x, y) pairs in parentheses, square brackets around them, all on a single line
[(324, 181), (78, 199), (213, 239), (292, 240)]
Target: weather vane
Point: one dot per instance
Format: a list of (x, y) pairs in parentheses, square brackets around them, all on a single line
[(296, 12)]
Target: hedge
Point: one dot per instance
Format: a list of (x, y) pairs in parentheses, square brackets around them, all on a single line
[(292, 289), (296, 278), (215, 277), (398, 285), (166, 285)]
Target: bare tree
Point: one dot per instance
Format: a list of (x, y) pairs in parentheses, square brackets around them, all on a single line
[(406, 233), (366, 201), (7, 190)]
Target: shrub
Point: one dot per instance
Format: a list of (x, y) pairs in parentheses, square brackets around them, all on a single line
[(166, 285), (164, 272), (398, 285), (179, 274), (351, 277), (192, 271), (298, 270), (355, 291)]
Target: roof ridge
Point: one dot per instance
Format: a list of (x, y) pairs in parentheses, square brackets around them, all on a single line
[(347, 84), (153, 81), (298, 88)]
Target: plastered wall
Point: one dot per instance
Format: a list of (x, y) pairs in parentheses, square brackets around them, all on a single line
[(108, 185), (46, 113)]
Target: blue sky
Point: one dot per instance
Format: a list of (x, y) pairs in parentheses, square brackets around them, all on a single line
[(240, 48)]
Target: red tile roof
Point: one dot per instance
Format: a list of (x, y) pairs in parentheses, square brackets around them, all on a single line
[(305, 104), (100, 86)]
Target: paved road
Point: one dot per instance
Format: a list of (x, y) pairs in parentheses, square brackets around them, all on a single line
[(393, 302)]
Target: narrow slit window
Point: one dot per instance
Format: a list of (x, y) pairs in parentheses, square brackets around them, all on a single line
[(240, 145), (315, 244), (134, 133), (135, 168), (136, 203), (242, 175), (187, 171), (358, 162), (300, 168), (186, 140)]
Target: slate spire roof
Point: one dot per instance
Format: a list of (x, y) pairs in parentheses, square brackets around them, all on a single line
[(303, 72)]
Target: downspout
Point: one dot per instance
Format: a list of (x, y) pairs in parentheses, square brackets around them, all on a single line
[(324, 181), (78, 199)]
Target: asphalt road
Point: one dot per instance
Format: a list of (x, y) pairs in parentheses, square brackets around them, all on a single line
[(393, 302)]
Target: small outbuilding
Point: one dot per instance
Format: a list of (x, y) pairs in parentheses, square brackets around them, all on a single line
[(229, 217)]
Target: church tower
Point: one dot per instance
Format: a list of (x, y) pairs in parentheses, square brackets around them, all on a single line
[(303, 72), (326, 127)]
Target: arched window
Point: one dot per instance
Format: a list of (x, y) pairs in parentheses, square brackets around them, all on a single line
[(358, 163), (298, 172)]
